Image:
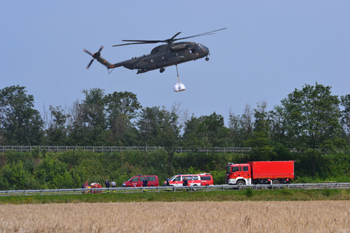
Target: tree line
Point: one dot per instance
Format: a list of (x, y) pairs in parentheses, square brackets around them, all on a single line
[(310, 126), (311, 119)]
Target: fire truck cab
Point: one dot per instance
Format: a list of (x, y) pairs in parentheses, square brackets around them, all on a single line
[(238, 174)]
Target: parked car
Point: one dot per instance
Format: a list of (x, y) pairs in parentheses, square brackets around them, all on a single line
[(206, 179), (137, 181), (202, 179)]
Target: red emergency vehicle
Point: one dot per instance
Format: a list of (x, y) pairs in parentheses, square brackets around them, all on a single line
[(87, 187), (275, 172), (137, 181), (206, 179), (202, 179)]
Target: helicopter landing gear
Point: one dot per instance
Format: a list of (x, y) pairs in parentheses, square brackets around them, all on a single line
[(207, 58), (161, 70), (179, 86)]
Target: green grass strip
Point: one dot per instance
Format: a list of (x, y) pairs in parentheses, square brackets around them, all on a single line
[(243, 195)]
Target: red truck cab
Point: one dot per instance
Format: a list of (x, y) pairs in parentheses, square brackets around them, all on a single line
[(137, 181), (266, 172)]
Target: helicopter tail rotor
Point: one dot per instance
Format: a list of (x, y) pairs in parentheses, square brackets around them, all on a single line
[(94, 56)]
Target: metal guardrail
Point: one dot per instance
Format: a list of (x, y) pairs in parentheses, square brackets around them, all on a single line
[(173, 189), (99, 149)]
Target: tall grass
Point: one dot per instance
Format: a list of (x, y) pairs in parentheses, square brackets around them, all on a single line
[(317, 216)]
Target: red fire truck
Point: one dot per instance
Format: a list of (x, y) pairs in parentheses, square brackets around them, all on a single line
[(275, 172)]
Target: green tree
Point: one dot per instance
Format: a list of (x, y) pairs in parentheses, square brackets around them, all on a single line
[(122, 102), (213, 131), (94, 108), (57, 129), (51, 172), (240, 127), (345, 118), (169, 135), (278, 127), (260, 142), (121, 108), (191, 136), (89, 124), (20, 124), (312, 115), (16, 177), (159, 127), (148, 124)]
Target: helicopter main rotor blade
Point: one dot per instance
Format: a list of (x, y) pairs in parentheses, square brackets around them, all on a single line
[(172, 38), (128, 44), (202, 34), (154, 41), (169, 41), (145, 41)]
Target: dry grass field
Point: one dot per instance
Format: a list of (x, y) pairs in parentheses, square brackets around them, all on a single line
[(274, 216)]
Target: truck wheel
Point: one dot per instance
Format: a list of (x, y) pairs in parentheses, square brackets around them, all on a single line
[(240, 182), (128, 186), (275, 182)]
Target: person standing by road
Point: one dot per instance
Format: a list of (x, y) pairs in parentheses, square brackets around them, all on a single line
[(145, 182), (107, 185), (185, 182), (167, 182), (113, 184)]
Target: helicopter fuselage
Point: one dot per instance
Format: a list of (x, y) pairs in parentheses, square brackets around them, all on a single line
[(161, 56)]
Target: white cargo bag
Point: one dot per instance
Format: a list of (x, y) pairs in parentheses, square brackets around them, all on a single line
[(182, 87), (177, 87)]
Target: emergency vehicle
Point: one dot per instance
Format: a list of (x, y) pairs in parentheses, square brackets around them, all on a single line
[(87, 187), (206, 179), (137, 181), (275, 172), (202, 179)]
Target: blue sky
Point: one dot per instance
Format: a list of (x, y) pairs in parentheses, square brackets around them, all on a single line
[(269, 49)]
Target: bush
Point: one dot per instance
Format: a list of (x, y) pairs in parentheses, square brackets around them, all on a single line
[(249, 192)]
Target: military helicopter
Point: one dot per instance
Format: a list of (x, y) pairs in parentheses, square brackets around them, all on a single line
[(161, 56)]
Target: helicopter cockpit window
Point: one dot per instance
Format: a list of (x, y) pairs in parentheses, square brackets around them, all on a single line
[(151, 60), (192, 51), (155, 50)]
